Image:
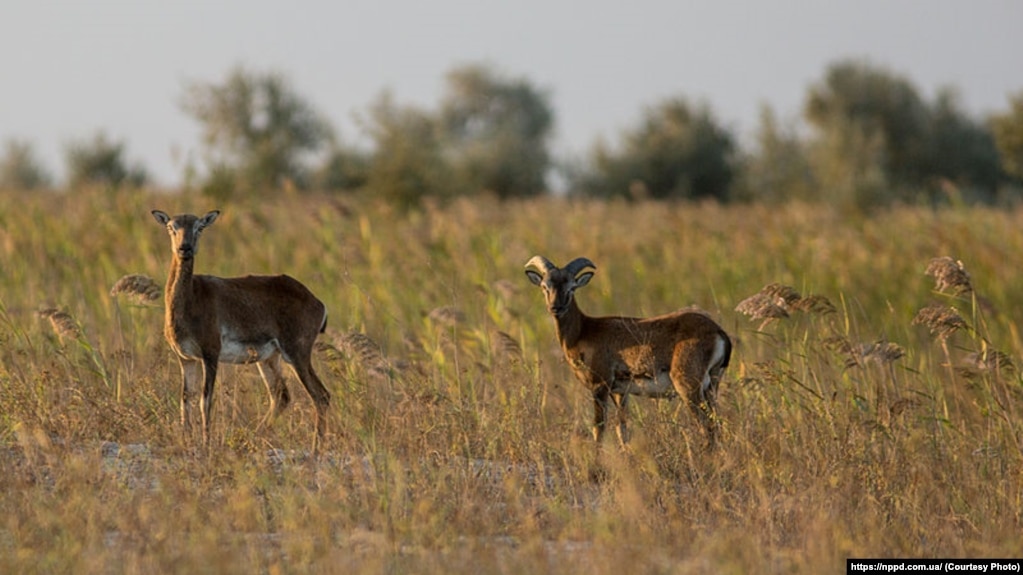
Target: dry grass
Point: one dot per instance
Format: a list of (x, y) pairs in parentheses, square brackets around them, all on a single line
[(457, 441)]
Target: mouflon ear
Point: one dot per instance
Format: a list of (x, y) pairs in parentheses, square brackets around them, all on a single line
[(534, 277), (209, 218), (161, 217), (583, 279)]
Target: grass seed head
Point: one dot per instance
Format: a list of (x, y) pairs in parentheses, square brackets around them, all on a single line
[(361, 347), (447, 316), (950, 275), (64, 324), (941, 320), (817, 304), (763, 306), (882, 351), (507, 345), (786, 294), (989, 360), (139, 288), (775, 301)]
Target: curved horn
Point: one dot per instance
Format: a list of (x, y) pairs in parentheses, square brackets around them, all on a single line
[(577, 265), (541, 263)]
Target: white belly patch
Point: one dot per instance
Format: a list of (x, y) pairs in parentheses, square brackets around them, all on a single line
[(234, 350), (187, 348)]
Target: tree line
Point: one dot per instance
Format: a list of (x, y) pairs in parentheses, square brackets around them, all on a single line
[(870, 139)]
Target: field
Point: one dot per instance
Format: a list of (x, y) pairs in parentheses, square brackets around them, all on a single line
[(858, 426)]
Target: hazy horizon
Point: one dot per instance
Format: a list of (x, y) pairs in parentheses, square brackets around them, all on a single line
[(74, 69)]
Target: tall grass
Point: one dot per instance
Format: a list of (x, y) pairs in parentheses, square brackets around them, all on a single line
[(457, 440)]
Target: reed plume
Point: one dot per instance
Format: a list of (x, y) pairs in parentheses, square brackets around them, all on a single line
[(139, 288), (63, 323), (447, 315), (941, 320), (778, 301), (762, 306), (360, 346), (986, 361), (950, 275), (817, 304), (507, 345), (787, 295), (882, 351)]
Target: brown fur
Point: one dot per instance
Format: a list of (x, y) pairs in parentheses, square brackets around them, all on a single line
[(251, 319), (611, 356)]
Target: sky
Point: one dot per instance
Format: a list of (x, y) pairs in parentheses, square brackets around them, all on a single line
[(71, 68)]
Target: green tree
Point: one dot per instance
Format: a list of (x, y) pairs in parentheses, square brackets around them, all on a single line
[(101, 161), (778, 169), (407, 163), (876, 140), (496, 132), (678, 151), (20, 169), (257, 130), (872, 104), (1007, 129), (848, 163), (346, 168), (962, 151)]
